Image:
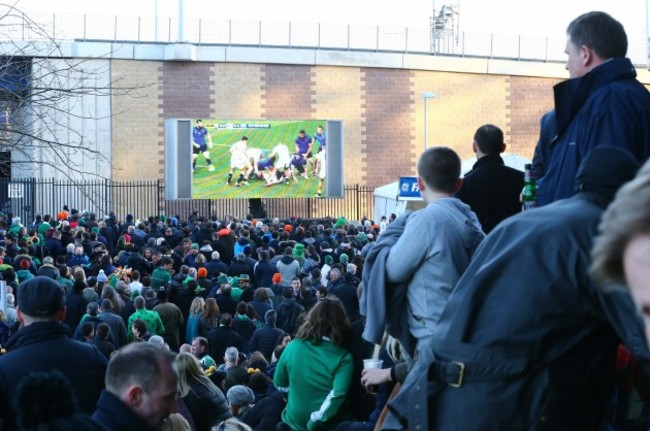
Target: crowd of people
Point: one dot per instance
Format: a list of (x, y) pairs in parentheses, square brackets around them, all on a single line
[(225, 296), (475, 315)]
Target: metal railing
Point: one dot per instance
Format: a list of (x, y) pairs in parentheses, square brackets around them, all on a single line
[(26, 197), (293, 35)]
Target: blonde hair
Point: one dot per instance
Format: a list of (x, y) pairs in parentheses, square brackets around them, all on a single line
[(190, 371), (198, 305), (200, 259), (176, 422), (231, 424)]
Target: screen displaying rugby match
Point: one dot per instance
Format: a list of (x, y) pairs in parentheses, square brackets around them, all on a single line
[(240, 158)]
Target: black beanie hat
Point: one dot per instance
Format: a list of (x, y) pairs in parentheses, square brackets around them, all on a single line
[(604, 170)]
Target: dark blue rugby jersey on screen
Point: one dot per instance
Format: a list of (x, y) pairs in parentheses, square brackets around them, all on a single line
[(199, 134), (303, 143)]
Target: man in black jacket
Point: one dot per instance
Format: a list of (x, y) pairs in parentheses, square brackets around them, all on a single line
[(346, 292), (222, 337), (140, 389), (265, 339), (491, 188), (289, 312), (44, 344)]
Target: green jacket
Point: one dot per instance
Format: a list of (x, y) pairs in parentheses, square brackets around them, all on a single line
[(318, 378), (151, 319)]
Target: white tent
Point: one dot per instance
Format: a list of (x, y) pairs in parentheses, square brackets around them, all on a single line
[(388, 200)]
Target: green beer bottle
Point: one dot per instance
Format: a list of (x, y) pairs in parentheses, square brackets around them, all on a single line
[(529, 192)]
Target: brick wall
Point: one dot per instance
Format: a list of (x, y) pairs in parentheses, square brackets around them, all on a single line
[(387, 132), (287, 92), (137, 120), (382, 109), (527, 101), (339, 97), (464, 103), (237, 91)]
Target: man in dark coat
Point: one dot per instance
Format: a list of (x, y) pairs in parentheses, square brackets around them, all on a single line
[(344, 291), (225, 301), (239, 266), (114, 322), (43, 344), (215, 266), (601, 104), (48, 269), (54, 246), (514, 345), (140, 389), (222, 337), (265, 339), (289, 312), (75, 305), (491, 188)]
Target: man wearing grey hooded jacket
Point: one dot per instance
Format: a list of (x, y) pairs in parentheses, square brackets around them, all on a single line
[(437, 243)]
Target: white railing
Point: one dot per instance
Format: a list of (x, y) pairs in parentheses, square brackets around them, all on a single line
[(293, 35)]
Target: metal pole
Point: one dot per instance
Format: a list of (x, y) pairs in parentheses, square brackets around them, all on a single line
[(406, 40), (181, 18), (155, 24), (425, 123), (348, 37), (377, 38)]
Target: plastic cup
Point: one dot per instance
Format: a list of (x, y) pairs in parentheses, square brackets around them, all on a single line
[(368, 364)]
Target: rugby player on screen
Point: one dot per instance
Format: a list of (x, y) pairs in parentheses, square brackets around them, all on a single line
[(239, 160), (201, 140)]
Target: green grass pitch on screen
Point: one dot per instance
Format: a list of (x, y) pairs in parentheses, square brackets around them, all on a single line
[(212, 184)]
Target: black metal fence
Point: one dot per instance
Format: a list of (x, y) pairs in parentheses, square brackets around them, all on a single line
[(26, 197)]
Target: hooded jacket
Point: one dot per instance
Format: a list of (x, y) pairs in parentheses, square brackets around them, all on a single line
[(289, 268), (431, 254), (607, 106)]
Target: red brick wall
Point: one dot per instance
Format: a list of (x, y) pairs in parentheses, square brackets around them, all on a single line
[(287, 92), (386, 121), (186, 89)]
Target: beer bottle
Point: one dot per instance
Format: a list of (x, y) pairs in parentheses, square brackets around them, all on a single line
[(529, 192)]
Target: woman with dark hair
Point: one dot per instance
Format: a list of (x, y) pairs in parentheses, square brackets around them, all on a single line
[(317, 369), (261, 302), (251, 312), (210, 318)]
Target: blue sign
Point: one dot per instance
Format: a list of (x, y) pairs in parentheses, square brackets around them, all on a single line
[(408, 187)]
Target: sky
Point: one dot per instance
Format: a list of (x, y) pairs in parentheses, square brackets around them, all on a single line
[(508, 17)]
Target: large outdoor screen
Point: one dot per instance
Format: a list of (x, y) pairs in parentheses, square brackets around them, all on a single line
[(239, 158)]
